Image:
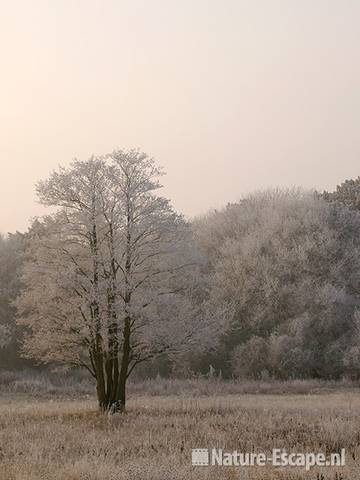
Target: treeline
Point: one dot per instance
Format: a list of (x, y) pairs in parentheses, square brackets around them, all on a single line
[(280, 271), (12, 251), (289, 261)]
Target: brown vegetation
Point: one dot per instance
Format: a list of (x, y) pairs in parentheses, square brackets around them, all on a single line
[(45, 436)]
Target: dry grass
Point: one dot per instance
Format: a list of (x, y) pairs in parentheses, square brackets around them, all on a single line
[(37, 384), (44, 439)]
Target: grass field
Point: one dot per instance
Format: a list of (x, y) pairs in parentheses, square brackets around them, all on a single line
[(46, 436)]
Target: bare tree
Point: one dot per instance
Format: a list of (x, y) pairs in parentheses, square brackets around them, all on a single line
[(289, 261), (107, 272)]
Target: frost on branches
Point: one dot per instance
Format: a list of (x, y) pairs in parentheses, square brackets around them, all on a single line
[(110, 273)]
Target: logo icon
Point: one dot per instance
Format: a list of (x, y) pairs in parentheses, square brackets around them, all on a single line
[(200, 457)]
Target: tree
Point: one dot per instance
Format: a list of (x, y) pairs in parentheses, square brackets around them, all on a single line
[(347, 193), (5, 336), (289, 263), (107, 272), (11, 260), (251, 358)]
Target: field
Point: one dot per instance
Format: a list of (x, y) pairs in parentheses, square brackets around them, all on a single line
[(51, 429)]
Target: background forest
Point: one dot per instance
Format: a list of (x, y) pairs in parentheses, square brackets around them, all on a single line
[(283, 264)]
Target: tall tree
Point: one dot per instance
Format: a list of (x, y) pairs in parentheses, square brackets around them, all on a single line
[(104, 289)]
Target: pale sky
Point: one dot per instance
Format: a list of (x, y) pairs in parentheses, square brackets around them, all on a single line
[(228, 95)]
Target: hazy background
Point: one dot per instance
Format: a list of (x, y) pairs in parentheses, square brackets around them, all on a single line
[(228, 95)]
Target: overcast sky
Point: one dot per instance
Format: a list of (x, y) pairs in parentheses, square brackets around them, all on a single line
[(228, 95)]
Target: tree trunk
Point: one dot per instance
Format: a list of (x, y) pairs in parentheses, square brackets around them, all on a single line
[(110, 382), (100, 383), (121, 394)]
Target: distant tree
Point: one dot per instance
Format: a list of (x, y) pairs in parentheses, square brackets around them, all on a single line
[(352, 352), (11, 261), (250, 359), (107, 273), (5, 335), (347, 193), (288, 262), (286, 356)]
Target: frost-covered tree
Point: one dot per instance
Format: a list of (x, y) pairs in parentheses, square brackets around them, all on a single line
[(289, 262), (250, 359), (347, 193), (107, 272), (11, 261)]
